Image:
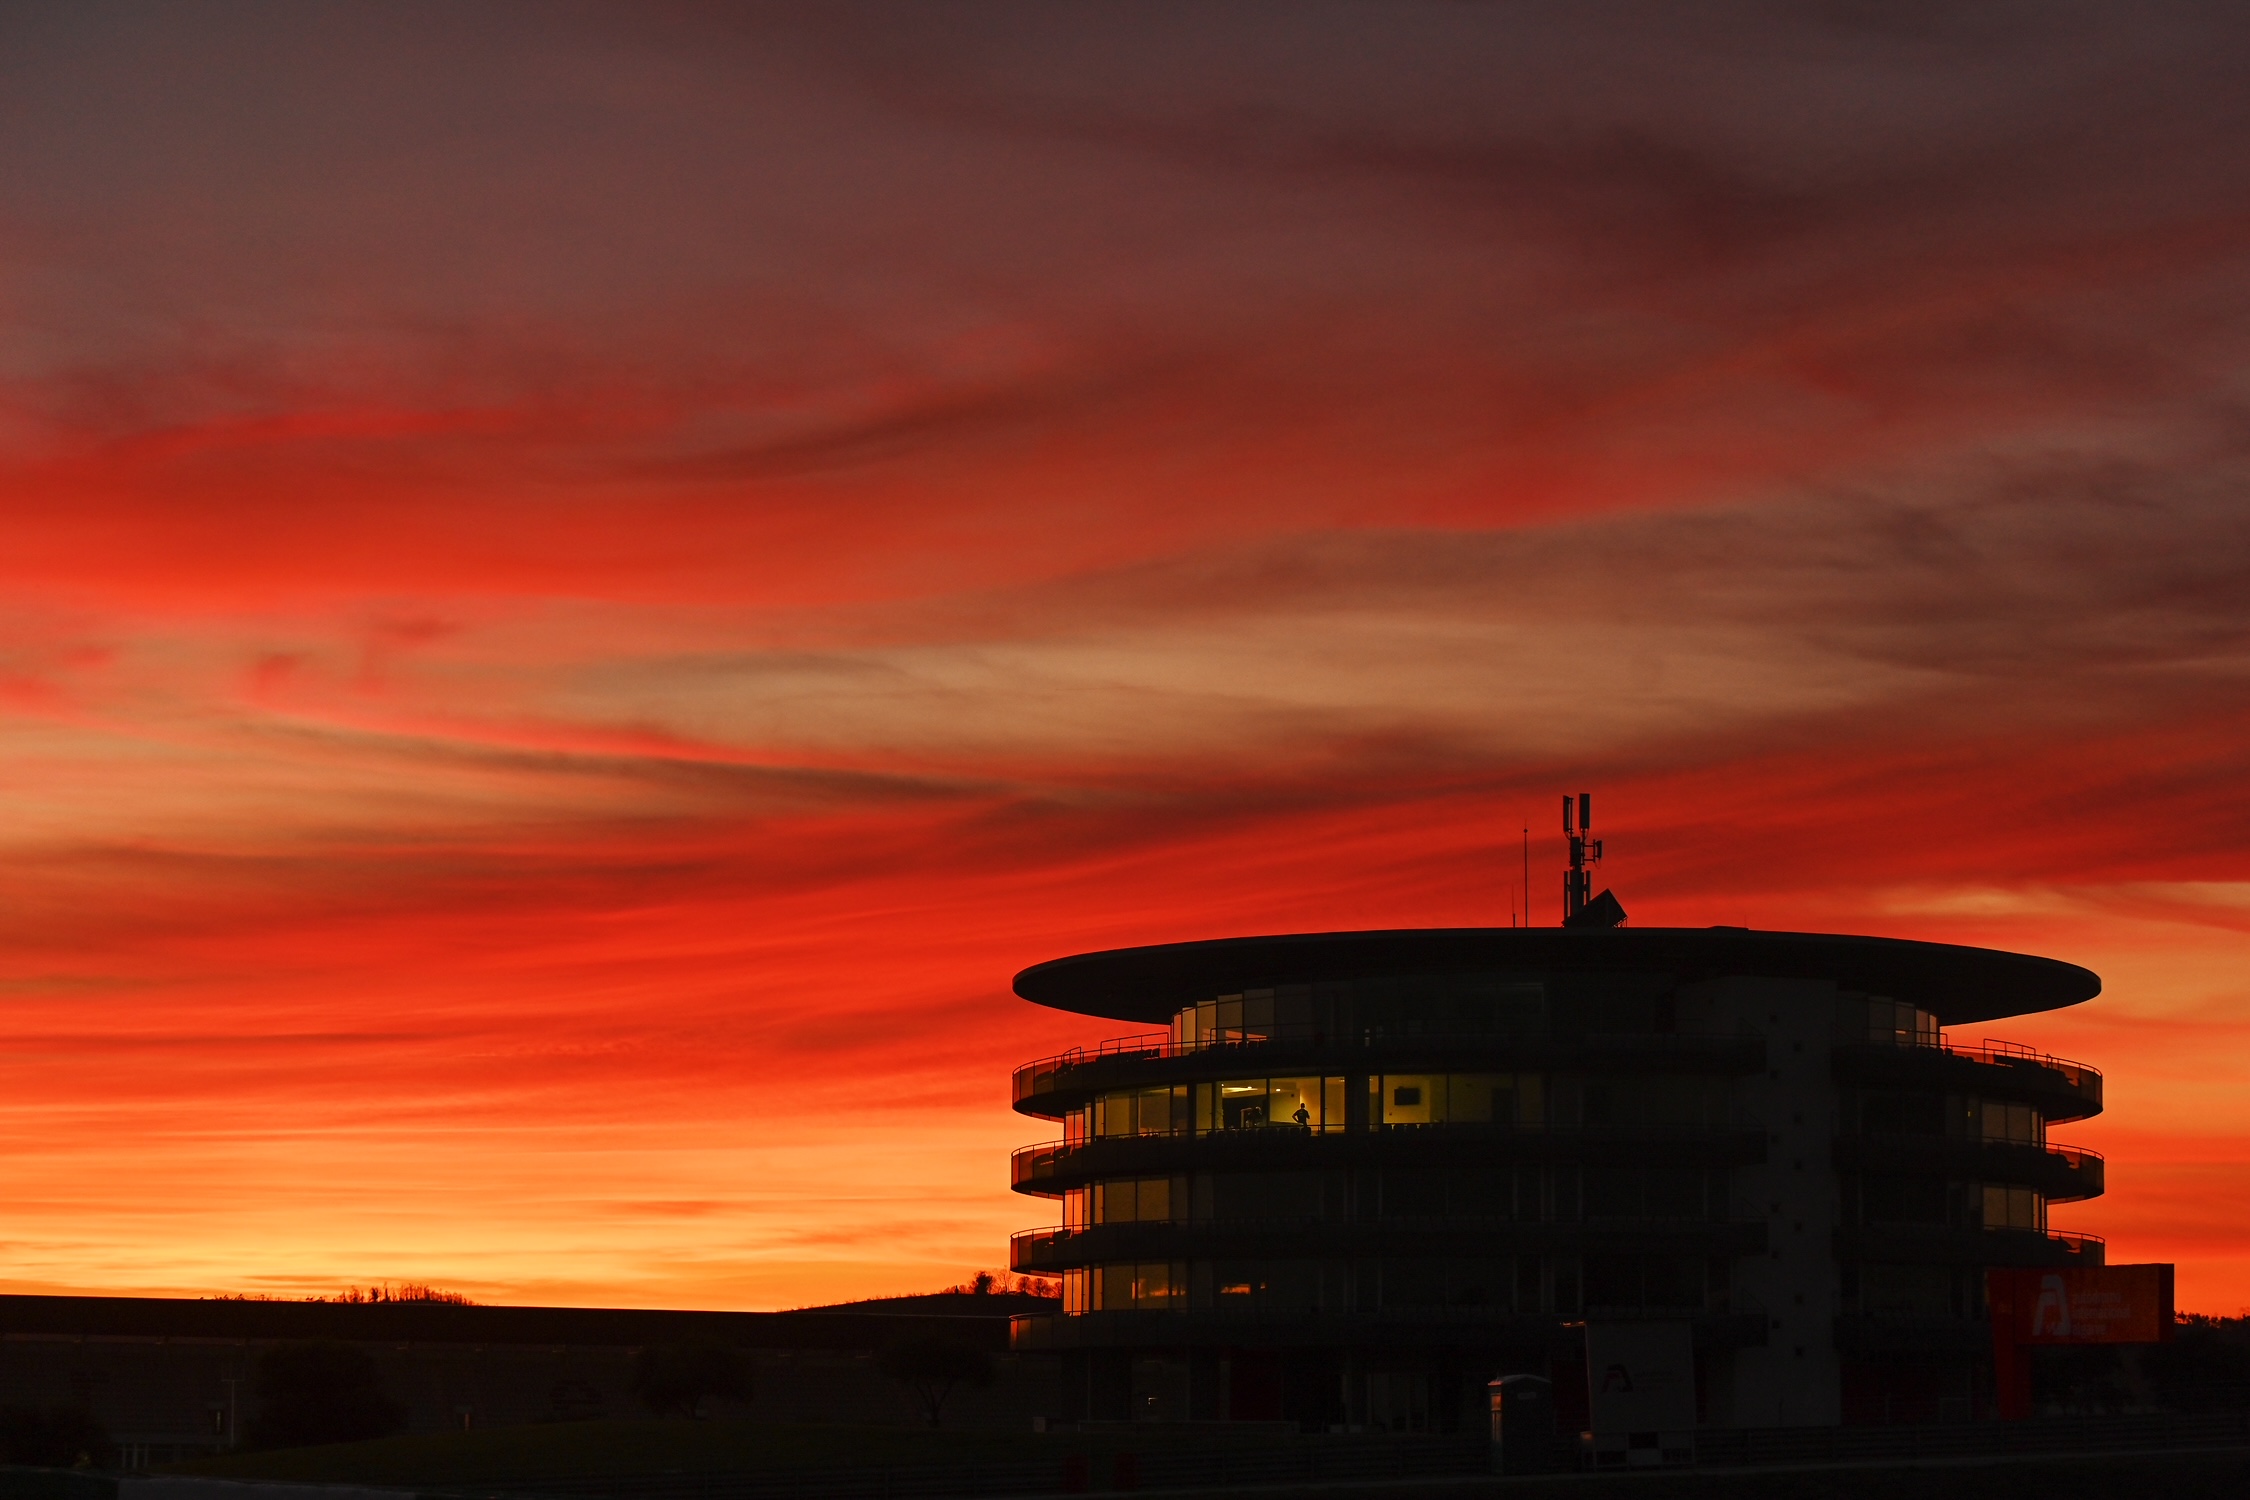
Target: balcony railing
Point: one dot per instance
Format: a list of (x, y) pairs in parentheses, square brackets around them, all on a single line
[(1032, 1248), (1039, 1162), (1037, 1076), (1034, 1076), (2003, 1054)]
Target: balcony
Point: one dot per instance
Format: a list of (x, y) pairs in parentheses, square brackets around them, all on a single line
[(2089, 1167), (1434, 1327), (1052, 1166), (1046, 1251), (1942, 1245), (2063, 1090), (1051, 1085), (2062, 1174)]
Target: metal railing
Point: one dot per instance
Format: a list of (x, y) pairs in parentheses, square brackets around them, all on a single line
[(1390, 1223), (2005, 1054), (1032, 1077), (1036, 1162), (1110, 1457)]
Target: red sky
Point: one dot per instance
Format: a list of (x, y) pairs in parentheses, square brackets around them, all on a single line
[(580, 586)]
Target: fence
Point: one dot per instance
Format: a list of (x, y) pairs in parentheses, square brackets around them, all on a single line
[(1303, 1461), (1735, 1447)]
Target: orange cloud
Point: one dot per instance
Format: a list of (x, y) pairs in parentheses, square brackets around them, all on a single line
[(580, 591)]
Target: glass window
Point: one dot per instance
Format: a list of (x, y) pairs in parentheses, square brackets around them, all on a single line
[(1612, 1193), (1138, 1200), (2018, 1123), (1414, 1283), (1147, 1284), (1673, 1193), (2010, 1207), (1672, 1281), (1895, 1198), (1485, 1194), (1638, 1281), (1410, 1193), (1644, 1192), (1242, 1104), (1480, 1098), (1262, 1103), (1252, 1016), (1283, 1286), (1897, 1023), (1654, 1101), (1887, 1291), (1296, 1101), (1412, 1098), (1453, 1098), (1566, 1285), (1156, 1111), (1565, 1184), (1902, 1111), (1265, 1195)]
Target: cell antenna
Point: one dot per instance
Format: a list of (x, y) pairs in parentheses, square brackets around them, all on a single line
[(1581, 907), (1578, 880)]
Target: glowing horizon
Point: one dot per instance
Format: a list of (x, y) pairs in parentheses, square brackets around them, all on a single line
[(581, 588)]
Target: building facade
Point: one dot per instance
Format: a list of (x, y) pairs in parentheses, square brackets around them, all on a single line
[(1363, 1173)]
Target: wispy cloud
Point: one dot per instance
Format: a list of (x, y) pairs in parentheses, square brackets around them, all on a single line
[(582, 587)]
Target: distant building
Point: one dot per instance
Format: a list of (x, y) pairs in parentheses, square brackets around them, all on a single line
[(1364, 1172), (174, 1378)]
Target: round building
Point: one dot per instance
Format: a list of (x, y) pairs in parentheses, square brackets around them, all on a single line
[(1362, 1173)]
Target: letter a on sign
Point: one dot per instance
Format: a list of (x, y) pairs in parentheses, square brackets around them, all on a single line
[(2050, 1315)]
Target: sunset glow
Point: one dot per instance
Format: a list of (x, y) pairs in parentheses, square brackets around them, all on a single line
[(579, 588)]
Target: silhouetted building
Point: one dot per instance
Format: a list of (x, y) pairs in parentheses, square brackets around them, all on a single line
[(174, 1378), (1365, 1172)]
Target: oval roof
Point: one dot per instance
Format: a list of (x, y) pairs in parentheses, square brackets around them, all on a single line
[(1957, 984)]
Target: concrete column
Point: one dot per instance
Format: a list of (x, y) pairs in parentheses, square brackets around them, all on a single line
[(1793, 1380)]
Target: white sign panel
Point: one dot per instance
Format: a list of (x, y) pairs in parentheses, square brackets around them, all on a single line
[(1640, 1377)]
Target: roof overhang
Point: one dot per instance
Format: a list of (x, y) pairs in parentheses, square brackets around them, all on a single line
[(1958, 984)]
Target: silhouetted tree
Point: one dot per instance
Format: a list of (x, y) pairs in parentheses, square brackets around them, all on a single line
[(320, 1393), (61, 1437), (932, 1367), (676, 1379), (2204, 1366)]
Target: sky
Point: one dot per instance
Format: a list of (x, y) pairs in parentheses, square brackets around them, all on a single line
[(580, 586)]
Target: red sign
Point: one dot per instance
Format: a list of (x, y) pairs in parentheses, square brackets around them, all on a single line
[(2095, 1305), (2089, 1305)]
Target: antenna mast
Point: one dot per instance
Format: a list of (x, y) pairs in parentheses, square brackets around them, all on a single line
[(1578, 880)]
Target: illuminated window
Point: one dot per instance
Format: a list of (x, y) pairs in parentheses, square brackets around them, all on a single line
[(1457, 1098), (1301, 1104)]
